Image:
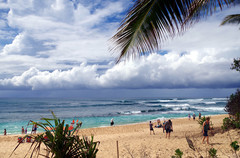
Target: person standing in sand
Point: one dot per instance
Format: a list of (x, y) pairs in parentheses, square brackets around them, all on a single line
[(112, 122), (151, 127), (206, 127), (168, 128), (22, 130), (199, 115), (194, 116)]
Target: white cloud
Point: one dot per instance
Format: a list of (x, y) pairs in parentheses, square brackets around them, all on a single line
[(54, 37), (154, 71)]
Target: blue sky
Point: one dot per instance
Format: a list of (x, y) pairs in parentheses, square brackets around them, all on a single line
[(60, 48)]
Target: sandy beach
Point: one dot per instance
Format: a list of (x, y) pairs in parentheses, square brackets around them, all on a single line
[(135, 140)]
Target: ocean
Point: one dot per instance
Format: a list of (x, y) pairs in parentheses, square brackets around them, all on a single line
[(15, 113)]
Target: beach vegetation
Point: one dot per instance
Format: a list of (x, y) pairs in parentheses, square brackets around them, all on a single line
[(178, 154), (233, 103), (212, 152), (149, 23), (201, 120), (60, 141), (235, 147), (236, 64)]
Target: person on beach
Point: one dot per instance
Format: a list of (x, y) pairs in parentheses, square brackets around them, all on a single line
[(168, 128), (5, 132), (194, 116), (25, 130), (199, 115), (151, 127), (112, 122), (159, 125), (22, 130), (206, 127), (189, 116), (164, 122), (33, 129)]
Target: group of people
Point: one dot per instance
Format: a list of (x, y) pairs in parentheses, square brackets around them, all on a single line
[(167, 126), (194, 116)]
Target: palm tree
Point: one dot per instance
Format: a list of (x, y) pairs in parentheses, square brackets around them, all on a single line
[(231, 19), (150, 22)]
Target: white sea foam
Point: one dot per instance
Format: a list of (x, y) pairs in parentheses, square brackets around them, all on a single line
[(210, 102), (209, 108), (176, 105), (135, 112), (220, 99)]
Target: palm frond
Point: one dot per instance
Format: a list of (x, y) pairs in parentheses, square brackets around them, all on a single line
[(150, 22), (203, 8), (231, 19)]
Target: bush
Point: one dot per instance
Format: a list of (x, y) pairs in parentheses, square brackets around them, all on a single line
[(61, 142), (213, 152), (201, 120), (233, 122), (235, 146), (233, 104), (178, 154)]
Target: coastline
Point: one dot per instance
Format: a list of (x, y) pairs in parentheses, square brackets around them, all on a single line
[(134, 139)]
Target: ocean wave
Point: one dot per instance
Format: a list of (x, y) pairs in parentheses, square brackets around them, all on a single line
[(210, 103), (209, 108), (175, 105), (220, 99)]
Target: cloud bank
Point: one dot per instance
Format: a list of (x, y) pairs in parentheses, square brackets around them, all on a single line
[(155, 71), (63, 45)]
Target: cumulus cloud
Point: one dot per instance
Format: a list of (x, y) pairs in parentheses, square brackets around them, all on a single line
[(53, 38), (154, 71)]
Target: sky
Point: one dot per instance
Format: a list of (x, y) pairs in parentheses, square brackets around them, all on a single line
[(60, 48)]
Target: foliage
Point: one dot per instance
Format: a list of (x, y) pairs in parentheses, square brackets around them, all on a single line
[(212, 152), (232, 122), (178, 154), (232, 19), (233, 104), (236, 64), (60, 141), (235, 146), (150, 22), (201, 120)]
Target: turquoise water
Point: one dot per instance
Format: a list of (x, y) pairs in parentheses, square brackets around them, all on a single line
[(15, 113)]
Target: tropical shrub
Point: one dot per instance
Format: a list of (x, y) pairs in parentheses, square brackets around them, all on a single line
[(233, 104), (212, 152), (231, 122), (201, 120), (235, 145), (60, 141), (178, 154)]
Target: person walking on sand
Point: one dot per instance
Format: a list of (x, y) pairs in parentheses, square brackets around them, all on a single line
[(164, 122), (206, 127), (112, 122), (199, 115), (189, 116), (151, 127), (168, 128), (194, 116), (22, 130)]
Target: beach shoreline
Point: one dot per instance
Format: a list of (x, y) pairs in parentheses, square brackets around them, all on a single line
[(154, 120), (135, 139)]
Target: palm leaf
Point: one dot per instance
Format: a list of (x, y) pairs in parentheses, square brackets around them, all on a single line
[(231, 19), (150, 22)]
